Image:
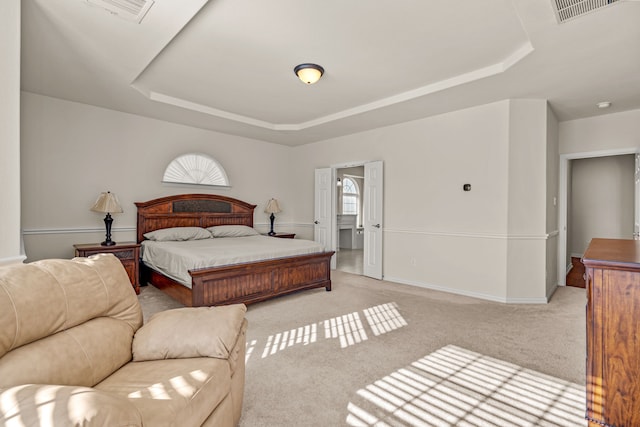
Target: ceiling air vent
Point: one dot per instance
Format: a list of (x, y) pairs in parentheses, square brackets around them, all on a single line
[(569, 9), (131, 10)]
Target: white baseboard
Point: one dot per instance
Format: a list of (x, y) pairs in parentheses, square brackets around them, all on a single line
[(472, 294)]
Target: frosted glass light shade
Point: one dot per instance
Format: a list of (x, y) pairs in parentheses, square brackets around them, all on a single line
[(107, 203), (272, 207), (309, 73)]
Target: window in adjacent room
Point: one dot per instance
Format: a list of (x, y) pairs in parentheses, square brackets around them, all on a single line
[(350, 197)]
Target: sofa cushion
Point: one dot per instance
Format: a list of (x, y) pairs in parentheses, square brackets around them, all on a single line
[(49, 405), (83, 355), (189, 332), (49, 296), (174, 392)]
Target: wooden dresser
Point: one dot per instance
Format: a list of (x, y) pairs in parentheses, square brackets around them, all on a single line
[(613, 332)]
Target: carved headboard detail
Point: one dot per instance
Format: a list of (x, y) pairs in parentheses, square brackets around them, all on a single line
[(192, 210)]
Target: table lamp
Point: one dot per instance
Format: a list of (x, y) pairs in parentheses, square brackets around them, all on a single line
[(272, 208), (107, 203)]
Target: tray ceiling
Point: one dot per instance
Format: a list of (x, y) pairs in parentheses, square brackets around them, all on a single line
[(228, 65)]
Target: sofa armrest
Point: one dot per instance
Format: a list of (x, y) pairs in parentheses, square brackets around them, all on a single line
[(57, 405), (189, 332)]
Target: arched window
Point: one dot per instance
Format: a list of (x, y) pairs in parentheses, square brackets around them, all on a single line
[(195, 168), (350, 197)]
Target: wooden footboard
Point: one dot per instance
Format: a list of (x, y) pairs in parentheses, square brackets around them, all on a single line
[(257, 281), (248, 282)]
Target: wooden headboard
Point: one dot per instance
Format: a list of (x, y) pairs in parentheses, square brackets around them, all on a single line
[(192, 210)]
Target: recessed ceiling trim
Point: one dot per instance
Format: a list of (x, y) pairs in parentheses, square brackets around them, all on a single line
[(461, 79), (441, 85), (183, 103)]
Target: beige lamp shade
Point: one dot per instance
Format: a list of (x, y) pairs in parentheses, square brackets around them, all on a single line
[(107, 203), (272, 207)]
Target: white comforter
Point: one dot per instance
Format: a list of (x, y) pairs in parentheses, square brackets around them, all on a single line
[(175, 259)]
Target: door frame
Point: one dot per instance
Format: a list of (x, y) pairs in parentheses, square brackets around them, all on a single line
[(563, 200)]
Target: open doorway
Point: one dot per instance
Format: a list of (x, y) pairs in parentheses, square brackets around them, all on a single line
[(598, 199), (601, 204), (349, 219), (325, 230)]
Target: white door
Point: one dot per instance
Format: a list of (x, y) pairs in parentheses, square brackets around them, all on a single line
[(636, 203), (373, 180), (323, 219)]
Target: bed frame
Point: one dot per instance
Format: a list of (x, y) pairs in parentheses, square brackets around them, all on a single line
[(237, 283)]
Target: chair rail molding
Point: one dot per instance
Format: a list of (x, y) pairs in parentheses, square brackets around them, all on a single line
[(38, 231)]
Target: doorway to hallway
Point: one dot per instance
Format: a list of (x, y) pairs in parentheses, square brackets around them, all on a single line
[(598, 197)]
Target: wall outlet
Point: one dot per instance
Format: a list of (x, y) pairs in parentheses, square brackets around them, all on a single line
[(412, 261)]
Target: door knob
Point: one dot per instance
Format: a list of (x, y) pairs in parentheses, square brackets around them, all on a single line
[(376, 225), (316, 222)]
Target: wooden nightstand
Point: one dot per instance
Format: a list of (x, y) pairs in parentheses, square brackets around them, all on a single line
[(283, 235), (128, 253)]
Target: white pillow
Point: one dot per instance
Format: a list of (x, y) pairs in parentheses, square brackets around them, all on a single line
[(178, 234), (232, 231)]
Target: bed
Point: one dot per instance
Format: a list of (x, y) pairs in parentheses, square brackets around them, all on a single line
[(243, 282)]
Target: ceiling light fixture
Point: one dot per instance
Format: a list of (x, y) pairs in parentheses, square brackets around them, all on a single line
[(309, 73), (604, 104)]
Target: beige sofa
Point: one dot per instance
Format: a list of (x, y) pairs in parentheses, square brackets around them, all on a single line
[(73, 352)]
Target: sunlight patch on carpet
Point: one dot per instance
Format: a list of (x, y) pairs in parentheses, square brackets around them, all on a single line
[(303, 335), (457, 387), (348, 329), (384, 318)]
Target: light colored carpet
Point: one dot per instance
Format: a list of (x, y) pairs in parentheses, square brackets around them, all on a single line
[(378, 353)]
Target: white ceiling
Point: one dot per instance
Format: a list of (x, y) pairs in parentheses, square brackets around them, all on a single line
[(227, 65)]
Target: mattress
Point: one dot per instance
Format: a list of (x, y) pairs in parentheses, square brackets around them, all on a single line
[(175, 258)]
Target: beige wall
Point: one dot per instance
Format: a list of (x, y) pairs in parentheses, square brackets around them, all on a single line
[(606, 132), (527, 208), (601, 201), (71, 152), (553, 177), (437, 235), (10, 241)]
